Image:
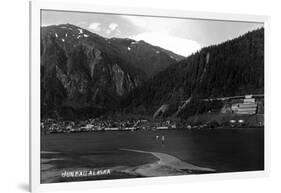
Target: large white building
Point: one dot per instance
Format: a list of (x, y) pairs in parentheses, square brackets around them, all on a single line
[(248, 106)]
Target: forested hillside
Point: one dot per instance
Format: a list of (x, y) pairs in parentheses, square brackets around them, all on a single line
[(235, 67)]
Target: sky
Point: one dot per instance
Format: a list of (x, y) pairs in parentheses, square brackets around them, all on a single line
[(180, 35)]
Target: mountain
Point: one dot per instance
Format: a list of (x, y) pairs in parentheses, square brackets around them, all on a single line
[(235, 67), (150, 59), (85, 74)]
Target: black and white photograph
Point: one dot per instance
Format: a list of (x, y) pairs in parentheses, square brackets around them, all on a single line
[(134, 96)]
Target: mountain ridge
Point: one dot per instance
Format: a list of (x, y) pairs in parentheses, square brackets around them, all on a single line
[(80, 69)]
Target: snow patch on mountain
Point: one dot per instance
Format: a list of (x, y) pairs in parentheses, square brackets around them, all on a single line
[(80, 30)]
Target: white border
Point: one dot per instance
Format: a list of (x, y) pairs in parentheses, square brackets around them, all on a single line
[(36, 6)]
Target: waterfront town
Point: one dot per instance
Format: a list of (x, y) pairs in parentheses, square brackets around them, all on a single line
[(236, 113)]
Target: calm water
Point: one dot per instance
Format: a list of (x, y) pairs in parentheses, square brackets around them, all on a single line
[(225, 150)]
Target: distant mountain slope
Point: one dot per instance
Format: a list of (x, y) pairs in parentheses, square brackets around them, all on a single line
[(82, 70), (150, 59), (234, 67)]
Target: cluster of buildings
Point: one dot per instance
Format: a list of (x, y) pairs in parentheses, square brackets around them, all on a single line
[(244, 110), (246, 105), (54, 126), (248, 108)]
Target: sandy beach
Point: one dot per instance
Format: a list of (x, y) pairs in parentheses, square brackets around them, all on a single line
[(167, 165)]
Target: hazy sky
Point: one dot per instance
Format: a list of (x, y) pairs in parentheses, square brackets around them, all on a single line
[(182, 36)]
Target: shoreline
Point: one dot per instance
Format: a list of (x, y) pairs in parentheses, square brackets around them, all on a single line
[(166, 166)]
